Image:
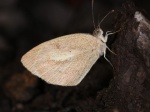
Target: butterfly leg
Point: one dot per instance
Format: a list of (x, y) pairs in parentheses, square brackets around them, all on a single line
[(110, 50), (107, 59), (109, 33), (106, 37)]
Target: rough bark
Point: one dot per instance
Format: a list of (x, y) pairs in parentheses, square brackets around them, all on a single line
[(132, 63), (129, 90)]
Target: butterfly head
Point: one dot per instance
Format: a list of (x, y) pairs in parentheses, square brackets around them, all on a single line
[(98, 33)]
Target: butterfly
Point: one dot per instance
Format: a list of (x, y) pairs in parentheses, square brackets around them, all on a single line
[(67, 59)]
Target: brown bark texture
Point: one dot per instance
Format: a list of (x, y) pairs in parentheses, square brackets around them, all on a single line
[(132, 63), (129, 90)]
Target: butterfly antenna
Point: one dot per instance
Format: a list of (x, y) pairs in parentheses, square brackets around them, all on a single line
[(105, 17), (93, 14), (98, 20)]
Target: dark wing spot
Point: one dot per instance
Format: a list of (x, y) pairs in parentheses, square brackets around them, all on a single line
[(57, 45)]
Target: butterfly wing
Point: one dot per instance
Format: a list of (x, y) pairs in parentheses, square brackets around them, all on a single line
[(65, 60)]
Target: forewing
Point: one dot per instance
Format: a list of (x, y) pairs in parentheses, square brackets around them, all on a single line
[(64, 60)]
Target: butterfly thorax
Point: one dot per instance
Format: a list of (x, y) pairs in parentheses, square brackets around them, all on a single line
[(98, 33)]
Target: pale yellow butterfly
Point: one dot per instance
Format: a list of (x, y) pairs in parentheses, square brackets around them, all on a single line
[(66, 60)]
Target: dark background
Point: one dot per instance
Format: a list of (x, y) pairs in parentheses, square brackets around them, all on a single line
[(27, 23)]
